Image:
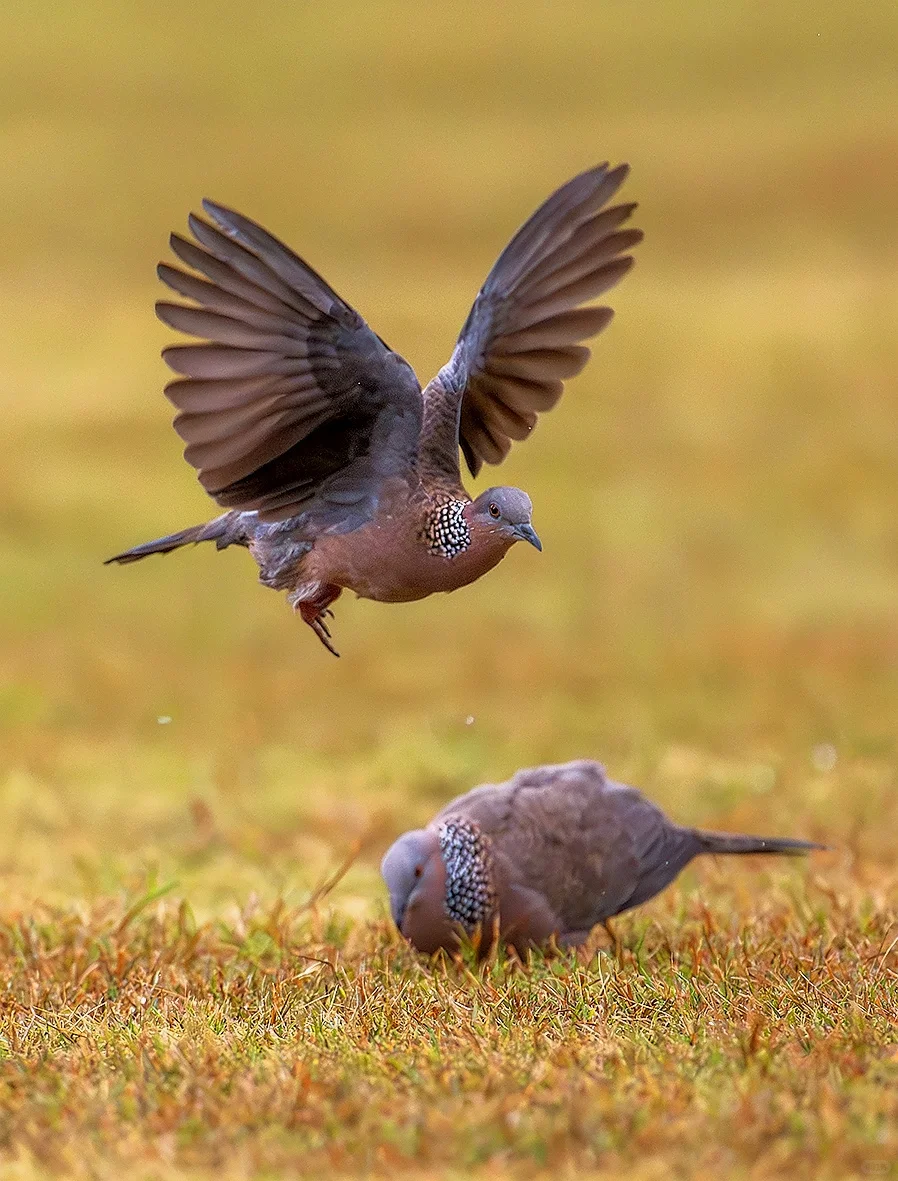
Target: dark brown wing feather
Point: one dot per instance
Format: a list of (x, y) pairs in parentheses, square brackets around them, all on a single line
[(293, 397), (524, 335)]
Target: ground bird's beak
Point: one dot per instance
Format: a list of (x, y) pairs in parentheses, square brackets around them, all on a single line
[(528, 533), (397, 909)]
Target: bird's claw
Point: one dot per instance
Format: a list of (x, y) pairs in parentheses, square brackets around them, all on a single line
[(315, 611), (322, 632)]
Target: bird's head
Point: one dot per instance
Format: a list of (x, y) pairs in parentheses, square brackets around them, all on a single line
[(505, 513), (440, 880), (416, 880)]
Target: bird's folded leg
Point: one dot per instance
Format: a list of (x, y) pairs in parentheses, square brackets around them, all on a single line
[(613, 936), (314, 612)]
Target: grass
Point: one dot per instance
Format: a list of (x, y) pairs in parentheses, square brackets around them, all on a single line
[(713, 615), (271, 1042)]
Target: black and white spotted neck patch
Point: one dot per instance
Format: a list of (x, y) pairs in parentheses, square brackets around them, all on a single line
[(470, 895), (446, 532)]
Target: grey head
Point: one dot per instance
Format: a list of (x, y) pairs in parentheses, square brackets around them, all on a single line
[(507, 512), (439, 880), (403, 868)]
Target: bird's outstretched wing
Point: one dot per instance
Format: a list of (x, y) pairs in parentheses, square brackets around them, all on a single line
[(293, 397), (524, 335)]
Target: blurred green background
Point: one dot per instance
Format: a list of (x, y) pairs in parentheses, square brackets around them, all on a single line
[(714, 613)]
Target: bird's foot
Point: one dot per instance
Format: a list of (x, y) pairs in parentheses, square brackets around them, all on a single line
[(322, 631), (315, 611)]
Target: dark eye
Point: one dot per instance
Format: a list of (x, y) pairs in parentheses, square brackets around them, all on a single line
[(494, 511), (418, 871)]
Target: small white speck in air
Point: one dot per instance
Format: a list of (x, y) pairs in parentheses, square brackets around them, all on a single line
[(163, 720), (824, 757), (469, 720)]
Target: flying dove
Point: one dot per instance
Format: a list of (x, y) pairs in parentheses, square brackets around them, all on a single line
[(548, 855), (337, 470)]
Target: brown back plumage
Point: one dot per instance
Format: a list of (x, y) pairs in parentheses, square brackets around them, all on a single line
[(586, 847), (569, 833)]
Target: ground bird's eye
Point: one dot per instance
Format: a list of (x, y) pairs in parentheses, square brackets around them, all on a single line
[(494, 511), (418, 871)]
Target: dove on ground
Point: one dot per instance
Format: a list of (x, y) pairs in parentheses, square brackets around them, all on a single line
[(337, 470), (542, 858)]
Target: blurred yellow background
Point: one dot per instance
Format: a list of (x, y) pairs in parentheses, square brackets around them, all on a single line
[(714, 613)]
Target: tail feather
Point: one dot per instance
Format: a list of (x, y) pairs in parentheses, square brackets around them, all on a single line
[(225, 530), (724, 842)]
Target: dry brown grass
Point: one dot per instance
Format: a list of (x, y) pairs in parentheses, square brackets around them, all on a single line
[(273, 1041)]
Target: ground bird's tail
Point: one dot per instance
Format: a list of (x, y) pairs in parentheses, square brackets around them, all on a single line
[(225, 530), (724, 842)]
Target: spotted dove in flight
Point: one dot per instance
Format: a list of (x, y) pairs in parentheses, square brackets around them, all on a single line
[(337, 470), (548, 855)]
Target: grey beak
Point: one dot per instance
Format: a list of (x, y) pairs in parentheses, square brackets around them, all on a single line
[(397, 910), (528, 533)]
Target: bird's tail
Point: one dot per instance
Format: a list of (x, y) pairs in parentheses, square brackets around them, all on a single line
[(228, 529), (724, 842)]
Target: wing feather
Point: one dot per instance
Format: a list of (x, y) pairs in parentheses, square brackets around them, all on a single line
[(291, 389), (525, 333)]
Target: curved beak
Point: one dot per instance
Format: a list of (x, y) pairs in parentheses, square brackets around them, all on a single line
[(528, 533)]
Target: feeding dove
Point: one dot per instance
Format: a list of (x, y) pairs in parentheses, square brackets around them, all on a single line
[(546, 856)]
